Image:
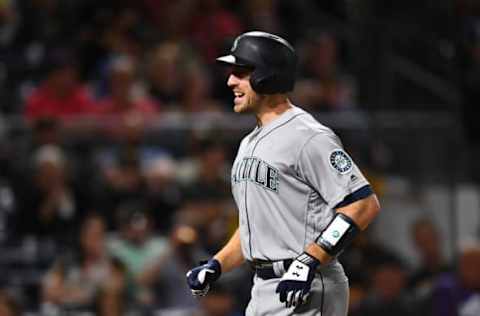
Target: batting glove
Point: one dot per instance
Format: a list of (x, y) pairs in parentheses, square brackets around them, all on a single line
[(200, 278), (294, 287)]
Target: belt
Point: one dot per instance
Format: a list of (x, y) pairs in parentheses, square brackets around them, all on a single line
[(270, 269)]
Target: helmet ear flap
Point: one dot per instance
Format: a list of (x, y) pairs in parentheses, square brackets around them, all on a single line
[(263, 82)]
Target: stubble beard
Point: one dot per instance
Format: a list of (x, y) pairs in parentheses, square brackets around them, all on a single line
[(251, 105)]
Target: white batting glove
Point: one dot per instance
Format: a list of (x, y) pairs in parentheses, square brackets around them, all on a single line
[(294, 287)]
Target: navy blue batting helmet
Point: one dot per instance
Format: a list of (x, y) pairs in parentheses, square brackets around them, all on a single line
[(272, 59)]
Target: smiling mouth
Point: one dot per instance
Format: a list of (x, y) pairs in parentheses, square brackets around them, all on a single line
[(238, 97)]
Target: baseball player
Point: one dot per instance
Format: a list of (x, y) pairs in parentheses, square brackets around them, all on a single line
[(300, 196)]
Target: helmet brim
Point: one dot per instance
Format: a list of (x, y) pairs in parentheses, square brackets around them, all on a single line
[(232, 60)]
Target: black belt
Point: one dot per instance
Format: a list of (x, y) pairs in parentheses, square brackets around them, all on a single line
[(270, 269)]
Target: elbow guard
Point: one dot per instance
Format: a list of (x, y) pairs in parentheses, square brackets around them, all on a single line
[(338, 234)]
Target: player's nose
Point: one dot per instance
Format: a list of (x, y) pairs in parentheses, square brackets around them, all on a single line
[(232, 81)]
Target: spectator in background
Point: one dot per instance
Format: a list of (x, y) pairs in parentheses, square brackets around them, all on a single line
[(48, 209), (53, 157), (60, 95), (163, 194), (220, 227), (201, 224), (167, 61), (125, 114), (87, 280), (458, 293), (137, 248), (125, 100), (167, 272), (426, 240), (387, 295), (188, 86), (109, 28), (120, 182), (199, 87), (127, 168), (122, 36), (360, 262), (325, 86), (44, 131), (184, 249), (206, 175)]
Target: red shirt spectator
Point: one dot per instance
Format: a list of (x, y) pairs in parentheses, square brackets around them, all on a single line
[(60, 96), (126, 109), (45, 103), (124, 97)]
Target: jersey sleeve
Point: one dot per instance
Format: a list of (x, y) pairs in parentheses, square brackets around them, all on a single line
[(328, 169)]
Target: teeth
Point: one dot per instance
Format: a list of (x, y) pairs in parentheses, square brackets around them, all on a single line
[(239, 94)]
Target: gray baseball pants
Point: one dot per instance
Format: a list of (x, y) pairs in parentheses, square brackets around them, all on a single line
[(328, 297)]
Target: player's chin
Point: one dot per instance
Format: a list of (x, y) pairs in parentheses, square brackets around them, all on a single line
[(239, 108)]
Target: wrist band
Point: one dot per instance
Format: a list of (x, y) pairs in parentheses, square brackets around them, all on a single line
[(338, 234)]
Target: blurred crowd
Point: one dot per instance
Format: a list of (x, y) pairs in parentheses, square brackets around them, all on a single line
[(102, 215), (68, 59)]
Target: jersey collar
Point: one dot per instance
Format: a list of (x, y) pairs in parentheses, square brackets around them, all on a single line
[(280, 120)]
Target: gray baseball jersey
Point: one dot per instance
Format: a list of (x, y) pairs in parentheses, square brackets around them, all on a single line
[(287, 178)]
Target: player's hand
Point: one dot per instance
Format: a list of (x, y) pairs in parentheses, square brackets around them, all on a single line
[(294, 287), (200, 278)]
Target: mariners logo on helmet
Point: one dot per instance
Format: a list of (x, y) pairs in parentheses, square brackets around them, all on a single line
[(234, 45)]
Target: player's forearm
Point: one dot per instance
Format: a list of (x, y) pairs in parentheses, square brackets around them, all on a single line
[(361, 212), (316, 251), (231, 257)]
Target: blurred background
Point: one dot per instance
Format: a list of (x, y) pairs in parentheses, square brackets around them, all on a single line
[(117, 136)]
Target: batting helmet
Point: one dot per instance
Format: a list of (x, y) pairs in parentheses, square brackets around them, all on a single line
[(271, 57)]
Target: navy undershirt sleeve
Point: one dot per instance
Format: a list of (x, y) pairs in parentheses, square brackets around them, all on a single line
[(361, 193)]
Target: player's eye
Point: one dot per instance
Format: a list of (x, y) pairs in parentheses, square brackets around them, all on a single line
[(241, 72)]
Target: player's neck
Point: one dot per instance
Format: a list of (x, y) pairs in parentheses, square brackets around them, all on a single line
[(270, 111)]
